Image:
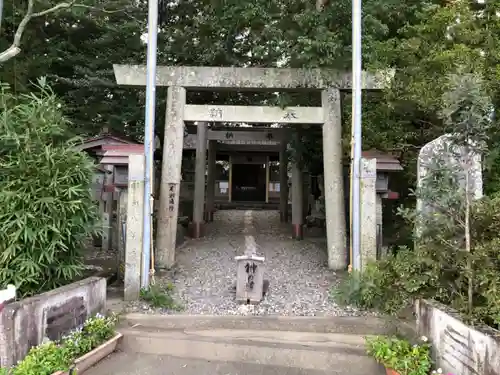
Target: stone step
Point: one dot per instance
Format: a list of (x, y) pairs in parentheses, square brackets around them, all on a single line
[(250, 345), (311, 351), (360, 325), (148, 364)]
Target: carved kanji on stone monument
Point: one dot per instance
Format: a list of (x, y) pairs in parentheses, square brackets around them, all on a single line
[(249, 278)]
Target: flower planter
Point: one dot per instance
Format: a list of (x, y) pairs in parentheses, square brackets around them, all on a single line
[(91, 358), (390, 371)]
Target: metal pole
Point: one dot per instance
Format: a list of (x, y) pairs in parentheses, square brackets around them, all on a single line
[(356, 135), (1, 14), (149, 138)]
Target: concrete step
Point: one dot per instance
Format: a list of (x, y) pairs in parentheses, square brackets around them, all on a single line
[(361, 325), (254, 345), (147, 364), (288, 349)]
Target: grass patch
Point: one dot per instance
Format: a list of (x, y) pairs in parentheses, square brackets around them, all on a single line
[(161, 297)]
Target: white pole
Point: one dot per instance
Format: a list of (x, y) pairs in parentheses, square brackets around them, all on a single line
[(356, 135), (149, 138)]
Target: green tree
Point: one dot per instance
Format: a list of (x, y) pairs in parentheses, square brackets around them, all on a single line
[(46, 204), (74, 45)]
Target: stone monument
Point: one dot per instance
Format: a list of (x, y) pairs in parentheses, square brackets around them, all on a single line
[(249, 278), (442, 153)]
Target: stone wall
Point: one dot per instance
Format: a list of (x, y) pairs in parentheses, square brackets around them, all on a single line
[(458, 348), (25, 323)]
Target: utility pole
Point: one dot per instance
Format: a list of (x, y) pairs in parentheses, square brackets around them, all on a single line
[(149, 130), (356, 138)]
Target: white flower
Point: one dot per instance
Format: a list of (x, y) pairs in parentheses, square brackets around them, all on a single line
[(439, 370), (424, 338)]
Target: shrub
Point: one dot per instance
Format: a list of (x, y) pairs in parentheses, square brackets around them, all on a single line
[(160, 297), (456, 259), (46, 206), (389, 285), (51, 357), (400, 355), (432, 271)]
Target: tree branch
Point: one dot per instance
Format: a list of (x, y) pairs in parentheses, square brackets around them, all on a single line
[(15, 49)]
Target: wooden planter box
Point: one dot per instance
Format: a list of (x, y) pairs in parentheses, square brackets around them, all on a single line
[(91, 358)]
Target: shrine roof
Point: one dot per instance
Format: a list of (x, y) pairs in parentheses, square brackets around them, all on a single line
[(385, 161)]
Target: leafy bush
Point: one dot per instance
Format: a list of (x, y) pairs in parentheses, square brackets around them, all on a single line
[(46, 206), (456, 259), (393, 283), (400, 355), (160, 297), (50, 357), (389, 285)]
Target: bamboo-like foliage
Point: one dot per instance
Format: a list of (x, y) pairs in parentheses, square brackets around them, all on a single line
[(46, 206)]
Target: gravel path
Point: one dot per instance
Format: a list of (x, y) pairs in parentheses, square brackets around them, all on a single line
[(205, 274)]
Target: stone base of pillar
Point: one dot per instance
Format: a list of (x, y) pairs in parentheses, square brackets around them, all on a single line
[(196, 230), (297, 231), (209, 216)]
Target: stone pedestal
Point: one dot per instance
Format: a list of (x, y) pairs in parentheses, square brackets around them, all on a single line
[(135, 227), (170, 177), (196, 227), (297, 202), (368, 198), (249, 278), (211, 171), (333, 179)]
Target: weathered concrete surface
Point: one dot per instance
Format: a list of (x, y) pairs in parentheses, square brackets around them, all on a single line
[(135, 228), (334, 180), (348, 325), (170, 178), (199, 181), (248, 78), (458, 348), (368, 211), (25, 323), (147, 364), (211, 171), (255, 350), (320, 352), (253, 114), (121, 222)]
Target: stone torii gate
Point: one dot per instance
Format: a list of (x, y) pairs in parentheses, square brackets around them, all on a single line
[(178, 79)]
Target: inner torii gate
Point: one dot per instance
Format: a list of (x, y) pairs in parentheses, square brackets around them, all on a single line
[(178, 79)]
